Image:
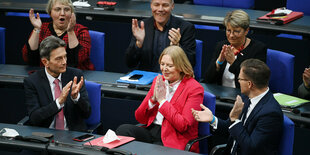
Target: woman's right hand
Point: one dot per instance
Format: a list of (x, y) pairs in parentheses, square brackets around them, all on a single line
[(36, 22), (160, 89), (221, 57)]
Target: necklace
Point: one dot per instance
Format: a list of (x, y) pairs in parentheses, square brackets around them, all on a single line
[(59, 32), (241, 48)]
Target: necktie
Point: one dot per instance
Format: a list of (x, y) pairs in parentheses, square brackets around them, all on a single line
[(246, 107), (59, 120)]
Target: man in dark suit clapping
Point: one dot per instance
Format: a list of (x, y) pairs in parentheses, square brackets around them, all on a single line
[(53, 95), (255, 123)]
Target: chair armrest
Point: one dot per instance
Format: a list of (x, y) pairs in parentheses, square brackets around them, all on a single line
[(191, 142), (24, 121), (216, 148), (92, 128)]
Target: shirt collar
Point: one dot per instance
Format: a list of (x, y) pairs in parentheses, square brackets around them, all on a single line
[(256, 99), (172, 86), (166, 25), (50, 78)]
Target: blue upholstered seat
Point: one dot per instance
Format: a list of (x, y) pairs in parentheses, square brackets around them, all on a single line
[(203, 128), (299, 6), (2, 45), (97, 49), (287, 141), (281, 65), (197, 67), (94, 95)]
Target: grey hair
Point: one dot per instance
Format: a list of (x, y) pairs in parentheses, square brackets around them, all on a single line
[(51, 3), (237, 18), (49, 44), (172, 1)]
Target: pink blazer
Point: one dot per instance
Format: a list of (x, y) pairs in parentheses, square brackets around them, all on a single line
[(179, 125)]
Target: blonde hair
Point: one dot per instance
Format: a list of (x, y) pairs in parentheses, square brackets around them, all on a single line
[(51, 3), (179, 59), (237, 18)]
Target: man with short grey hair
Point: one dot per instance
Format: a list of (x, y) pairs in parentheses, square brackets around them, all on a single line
[(53, 95), (152, 35)]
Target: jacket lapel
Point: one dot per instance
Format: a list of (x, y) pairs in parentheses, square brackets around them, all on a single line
[(46, 85), (258, 107), (179, 90)]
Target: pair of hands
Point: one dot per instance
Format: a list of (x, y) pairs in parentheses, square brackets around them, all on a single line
[(227, 54), (139, 33), (74, 90), (206, 115), (37, 23), (306, 77), (159, 90)]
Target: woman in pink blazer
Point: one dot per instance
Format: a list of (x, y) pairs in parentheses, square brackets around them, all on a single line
[(166, 110)]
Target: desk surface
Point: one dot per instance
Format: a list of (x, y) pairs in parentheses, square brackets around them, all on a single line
[(15, 74), (198, 14), (73, 147)]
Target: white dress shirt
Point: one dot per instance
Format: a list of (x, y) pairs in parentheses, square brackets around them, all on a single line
[(228, 79), (51, 80)]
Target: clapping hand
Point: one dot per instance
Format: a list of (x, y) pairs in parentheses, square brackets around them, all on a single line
[(237, 109), (229, 54), (160, 89), (203, 116), (174, 36), (76, 87), (138, 32), (35, 21), (64, 93), (72, 23)]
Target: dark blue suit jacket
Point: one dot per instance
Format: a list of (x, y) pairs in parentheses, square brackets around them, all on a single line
[(262, 131), (42, 108)]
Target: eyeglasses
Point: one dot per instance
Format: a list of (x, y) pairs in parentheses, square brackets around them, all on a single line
[(234, 32), (240, 79)]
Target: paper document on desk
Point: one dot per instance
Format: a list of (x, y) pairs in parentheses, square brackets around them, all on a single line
[(289, 101), (113, 144)]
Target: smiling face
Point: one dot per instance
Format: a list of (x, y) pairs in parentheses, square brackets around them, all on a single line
[(57, 62), (161, 10), (61, 15), (235, 35), (169, 70)]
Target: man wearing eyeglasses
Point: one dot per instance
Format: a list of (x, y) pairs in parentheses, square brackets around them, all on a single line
[(255, 123)]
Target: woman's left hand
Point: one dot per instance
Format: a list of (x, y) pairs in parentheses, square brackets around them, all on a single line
[(160, 89), (229, 54), (72, 23)]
